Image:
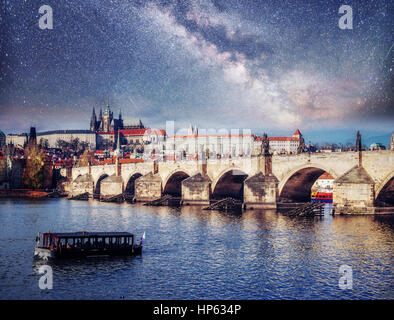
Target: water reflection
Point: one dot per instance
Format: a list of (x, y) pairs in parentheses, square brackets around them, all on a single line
[(192, 253), (87, 265)]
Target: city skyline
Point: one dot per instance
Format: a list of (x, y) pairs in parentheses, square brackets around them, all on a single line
[(222, 64)]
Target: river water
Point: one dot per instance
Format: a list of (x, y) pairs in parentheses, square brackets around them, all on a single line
[(194, 254)]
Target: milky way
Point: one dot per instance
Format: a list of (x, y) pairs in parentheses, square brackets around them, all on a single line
[(264, 65)]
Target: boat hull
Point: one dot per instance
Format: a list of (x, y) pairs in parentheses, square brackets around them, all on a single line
[(47, 254), (44, 254), (322, 200)]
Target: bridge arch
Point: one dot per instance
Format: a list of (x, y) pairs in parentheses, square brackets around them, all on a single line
[(229, 183), (297, 183), (384, 194), (173, 182), (129, 185), (97, 185)]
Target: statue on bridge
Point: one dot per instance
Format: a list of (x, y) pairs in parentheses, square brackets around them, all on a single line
[(265, 145), (206, 154), (358, 141)]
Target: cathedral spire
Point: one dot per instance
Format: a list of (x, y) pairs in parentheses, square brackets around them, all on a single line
[(93, 121), (93, 115)]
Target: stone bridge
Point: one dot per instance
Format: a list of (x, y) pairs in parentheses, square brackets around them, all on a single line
[(362, 179)]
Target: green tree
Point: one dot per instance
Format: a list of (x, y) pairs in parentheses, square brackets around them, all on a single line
[(84, 159), (44, 143), (62, 144), (33, 173), (75, 144)]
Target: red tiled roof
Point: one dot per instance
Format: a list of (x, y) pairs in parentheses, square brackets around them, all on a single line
[(130, 160), (211, 135), (133, 132), (326, 175), (156, 132), (136, 132), (105, 161), (297, 132), (278, 138), (283, 139)]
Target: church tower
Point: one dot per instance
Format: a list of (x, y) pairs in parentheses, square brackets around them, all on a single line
[(100, 126), (120, 121), (93, 121), (107, 118)]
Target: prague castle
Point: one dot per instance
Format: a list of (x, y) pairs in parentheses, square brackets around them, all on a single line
[(107, 123)]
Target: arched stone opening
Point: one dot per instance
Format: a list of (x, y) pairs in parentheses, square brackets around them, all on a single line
[(386, 194), (173, 186), (97, 189), (230, 184), (298, 187), (130, 183)]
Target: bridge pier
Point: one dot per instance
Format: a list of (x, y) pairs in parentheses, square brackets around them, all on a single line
[(82, 184), (196, 190), (354, 193), (111, 186), (148, 187), (261, 191)]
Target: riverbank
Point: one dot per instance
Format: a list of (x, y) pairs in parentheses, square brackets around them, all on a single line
[(23, 193)]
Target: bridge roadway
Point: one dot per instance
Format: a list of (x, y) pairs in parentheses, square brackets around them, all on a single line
[(259, 181)]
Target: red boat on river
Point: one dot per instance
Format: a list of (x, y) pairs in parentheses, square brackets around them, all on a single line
[(325, 197)]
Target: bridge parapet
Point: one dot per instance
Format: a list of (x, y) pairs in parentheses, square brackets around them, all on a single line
[(379, 165), (335, 163), (79, 171), (130, 169), (217, 167), (99, 171)]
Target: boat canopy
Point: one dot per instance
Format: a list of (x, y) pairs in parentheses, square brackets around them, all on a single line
[(84, 234)]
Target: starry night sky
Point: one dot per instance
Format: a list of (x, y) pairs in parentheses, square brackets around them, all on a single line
[(265, 65)]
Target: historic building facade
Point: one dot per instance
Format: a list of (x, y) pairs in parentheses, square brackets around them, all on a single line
[(324, 183), (137, 140), (216, 143), (16, 139), (285, 145), (52, 137)]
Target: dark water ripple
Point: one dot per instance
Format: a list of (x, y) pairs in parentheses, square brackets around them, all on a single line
[(195, 254)]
